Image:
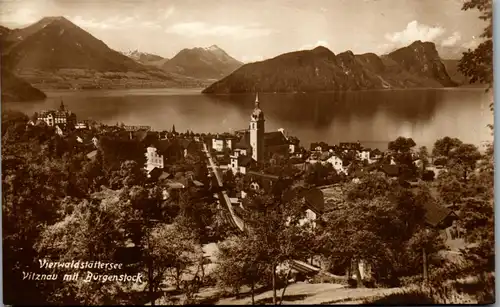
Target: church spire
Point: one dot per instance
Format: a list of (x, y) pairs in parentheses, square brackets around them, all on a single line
[(61, 107), (257, 105)]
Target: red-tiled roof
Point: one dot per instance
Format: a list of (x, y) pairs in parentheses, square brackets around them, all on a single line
[(275, 138), (244, 160), (435, 213), (314, 198), (92, 154), (244, 142), (266, 176), (164, 175), (185, 143)]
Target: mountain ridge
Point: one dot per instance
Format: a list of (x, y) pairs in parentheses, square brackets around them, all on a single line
[(56, 53), (145, 58), (204, 63), (319, 69), (17, 89)]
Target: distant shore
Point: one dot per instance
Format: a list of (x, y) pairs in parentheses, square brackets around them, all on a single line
[(191, 90)]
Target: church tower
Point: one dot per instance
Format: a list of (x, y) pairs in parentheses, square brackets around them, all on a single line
[(257, 132)]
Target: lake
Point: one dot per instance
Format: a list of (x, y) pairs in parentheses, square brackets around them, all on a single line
[(372, 117)]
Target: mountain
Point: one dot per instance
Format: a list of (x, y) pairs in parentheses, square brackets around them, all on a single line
[(458, 77), (55, 43), (5, 38), (422, 59), (452, 69), (319, 69), (203, 63), (16, 89), (55, 53), (146, 58)]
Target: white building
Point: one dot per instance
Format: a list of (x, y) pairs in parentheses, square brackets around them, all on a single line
[(153, 159), (363, 154), (81, 126), (58, 117), (59, 130), (95, 140), (337, 164), (309, 219), (239, 162), (220, 143)]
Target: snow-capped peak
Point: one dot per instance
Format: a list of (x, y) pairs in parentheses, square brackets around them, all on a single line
[(212, 48)]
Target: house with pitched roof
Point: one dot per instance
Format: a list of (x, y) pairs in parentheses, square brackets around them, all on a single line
[(240, 163), (222, 142), (153, 159), (188, 146), (313, 201), (63, 118), (337, 163)]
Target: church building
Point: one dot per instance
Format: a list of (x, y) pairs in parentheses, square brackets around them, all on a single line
[(257, 132), (256, 145)]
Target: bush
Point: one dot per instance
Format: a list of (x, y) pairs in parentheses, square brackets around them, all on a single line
[(411, 280), (369, 283), (409, 297), (352, 283), (209, 281), (428, 176), (323, 278)]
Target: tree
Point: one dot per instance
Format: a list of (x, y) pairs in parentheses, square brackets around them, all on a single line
[(477, 64), (33, 187), (402, 152), (116, 150), (273, 224), (401, 145), (229, 181), (464, 159), (317, 174), (381, 224), (477, 223), (444, 146), (423, 155), (13, 120), (130, 174), (450, 189), (370, 186), (197, 214), (167, 248), (239, 265), (90, 232)]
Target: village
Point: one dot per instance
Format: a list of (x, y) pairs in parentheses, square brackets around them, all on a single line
[(264, 160)]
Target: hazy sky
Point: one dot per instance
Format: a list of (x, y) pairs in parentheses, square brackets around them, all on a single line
[(255, 29)]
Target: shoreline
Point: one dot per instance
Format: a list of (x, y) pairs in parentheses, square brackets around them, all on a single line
[(198, 90)]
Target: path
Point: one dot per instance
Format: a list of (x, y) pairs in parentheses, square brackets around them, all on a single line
[(223, 197), (303, 293), (235, 220)]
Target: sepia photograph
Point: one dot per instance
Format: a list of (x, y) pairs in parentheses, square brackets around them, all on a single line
[(257, 152)]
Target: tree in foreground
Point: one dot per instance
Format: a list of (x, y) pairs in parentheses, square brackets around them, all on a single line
[(168, 251), (274, 237), (239, 265), (382, 225), (478, 207)]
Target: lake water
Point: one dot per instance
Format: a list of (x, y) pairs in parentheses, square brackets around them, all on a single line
[(372, 117)]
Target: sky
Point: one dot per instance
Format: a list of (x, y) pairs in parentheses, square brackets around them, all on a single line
[(253, 30)]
